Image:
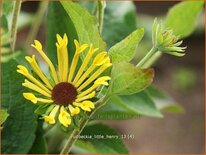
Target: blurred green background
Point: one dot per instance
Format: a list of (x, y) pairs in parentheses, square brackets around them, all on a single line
[(182, 78)]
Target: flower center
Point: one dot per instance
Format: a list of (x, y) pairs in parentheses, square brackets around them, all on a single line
[(64, 93)]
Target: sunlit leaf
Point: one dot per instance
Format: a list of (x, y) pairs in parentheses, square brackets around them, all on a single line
[(85, 25), (182, 18), (128, 107), (125, 49), (128, 79)]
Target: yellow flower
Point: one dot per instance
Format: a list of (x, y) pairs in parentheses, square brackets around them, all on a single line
[(70, 88)]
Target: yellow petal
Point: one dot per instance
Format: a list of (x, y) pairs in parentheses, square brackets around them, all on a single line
[(74, 111), (23, 70), (59, 39), (99, 59), (65, 38), (89, 96), (102, 80), (64, 117), (94, 76), (85, 63), (90, 89), (97, 83), (79, 48), (62, 56), (37, 45), (49, 119), (87, 105), (30, 96), (38, 71), (35, 88), (44, 100)]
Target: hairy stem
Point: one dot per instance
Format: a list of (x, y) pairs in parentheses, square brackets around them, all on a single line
[(16, 10), (73, 136), (147, 57), (36, 22), (100, 13)]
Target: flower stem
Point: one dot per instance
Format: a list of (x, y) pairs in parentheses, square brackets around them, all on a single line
[(36, 23), (73, 136), (16, 10), (147, 57), (100, 11), (152, 60)]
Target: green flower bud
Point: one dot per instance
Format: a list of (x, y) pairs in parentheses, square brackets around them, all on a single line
[(165, 41)]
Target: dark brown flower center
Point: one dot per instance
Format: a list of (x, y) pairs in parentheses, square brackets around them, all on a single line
[(64, 93)]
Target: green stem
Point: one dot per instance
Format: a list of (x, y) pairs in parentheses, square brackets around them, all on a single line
[(16, 10), (73, 136), (36, 23), (100, 14), (152, 60), (147, 57), (1, 9)]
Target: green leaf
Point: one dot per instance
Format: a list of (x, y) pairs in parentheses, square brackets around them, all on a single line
[(182, 18), (128, 107), (83, 147), (39, 146), (4, 23), (125, 49), (4, 115), (85, 25), (19, 129), (7, 7), (128, 79), (173, 108), (110, 144), (163, 102), (62, 25), (89, 5), (119, 21)]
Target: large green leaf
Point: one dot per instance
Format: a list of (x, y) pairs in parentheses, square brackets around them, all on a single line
[(91, 6), (163, 102), (59, 22), (119, 21), (39, 146), (19, 129), (182, 18), (128, 107), (85, 25), (128, 79), (110, 144), (125, 49)]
